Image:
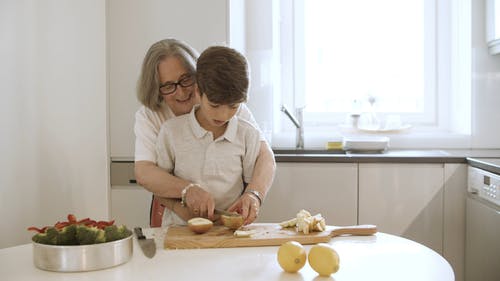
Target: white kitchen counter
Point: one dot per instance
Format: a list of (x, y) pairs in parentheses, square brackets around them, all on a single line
[(379, 257)]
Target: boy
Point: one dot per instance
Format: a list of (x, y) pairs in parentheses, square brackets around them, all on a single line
[(211, 146)]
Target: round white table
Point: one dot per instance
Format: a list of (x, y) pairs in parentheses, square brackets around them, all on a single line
[(378, 257)]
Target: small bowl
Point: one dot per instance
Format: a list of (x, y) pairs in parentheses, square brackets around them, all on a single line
[(82, 257)]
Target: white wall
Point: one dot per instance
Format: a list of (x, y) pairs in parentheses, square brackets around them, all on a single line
[(132, 27), (53, 132)]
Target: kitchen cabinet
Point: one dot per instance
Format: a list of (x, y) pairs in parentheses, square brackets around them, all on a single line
[(404, 199), (421, 201), (326, 188), (455, 186), (130, 203)]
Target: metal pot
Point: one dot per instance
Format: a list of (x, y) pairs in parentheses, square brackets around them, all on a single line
[(82, 257)]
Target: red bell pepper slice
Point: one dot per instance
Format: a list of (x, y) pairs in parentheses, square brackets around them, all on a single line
[(71, 218), (39, 230)]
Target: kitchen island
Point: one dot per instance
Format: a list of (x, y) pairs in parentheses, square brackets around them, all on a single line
[(377, 257)]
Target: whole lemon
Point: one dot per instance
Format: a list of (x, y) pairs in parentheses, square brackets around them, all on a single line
[(323, 259), (292, 256)]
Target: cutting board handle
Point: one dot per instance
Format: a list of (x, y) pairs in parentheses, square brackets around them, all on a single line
[(362, 230)]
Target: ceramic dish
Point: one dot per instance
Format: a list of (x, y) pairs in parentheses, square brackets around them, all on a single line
[(365, 143)]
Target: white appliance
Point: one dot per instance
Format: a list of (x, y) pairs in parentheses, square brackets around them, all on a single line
[(482, 246)]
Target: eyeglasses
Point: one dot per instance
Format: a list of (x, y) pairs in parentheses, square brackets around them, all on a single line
[(170, 87)]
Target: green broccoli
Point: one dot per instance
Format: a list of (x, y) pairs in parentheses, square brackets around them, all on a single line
[(111, 233), (114, 232), (48, 237), (67, 235), (40, 238), (85, 232), (101, 236), (89, 235)]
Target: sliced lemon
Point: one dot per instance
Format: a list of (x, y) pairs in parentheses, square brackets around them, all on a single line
[(292, 256), (324, 259)]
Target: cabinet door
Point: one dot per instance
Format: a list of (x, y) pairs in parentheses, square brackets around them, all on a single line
[(404, 199), (130, 205), (455, 186), (326, 188), (132, 26)]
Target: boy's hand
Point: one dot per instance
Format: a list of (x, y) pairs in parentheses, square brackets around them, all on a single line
[(200, 202), (247, 206)]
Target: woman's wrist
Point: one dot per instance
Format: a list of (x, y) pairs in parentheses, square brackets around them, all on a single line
[(184, 193)]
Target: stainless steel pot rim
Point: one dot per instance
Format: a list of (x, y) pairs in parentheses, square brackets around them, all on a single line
[(81, 246)]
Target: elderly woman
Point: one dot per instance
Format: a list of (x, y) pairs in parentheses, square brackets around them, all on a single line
[(166, 88)]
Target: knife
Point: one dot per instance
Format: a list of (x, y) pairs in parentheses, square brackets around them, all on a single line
[(226, 213), (148, 246)]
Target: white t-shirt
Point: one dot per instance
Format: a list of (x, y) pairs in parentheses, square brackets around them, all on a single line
[(148, 123), (220, 166)]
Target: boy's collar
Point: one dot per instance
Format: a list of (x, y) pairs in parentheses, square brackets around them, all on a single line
[(199, 131)]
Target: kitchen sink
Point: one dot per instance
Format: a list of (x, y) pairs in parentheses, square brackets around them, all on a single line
[(317, 151), (379, 153)]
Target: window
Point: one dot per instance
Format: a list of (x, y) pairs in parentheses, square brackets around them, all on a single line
[(404, 58), (385, 53)]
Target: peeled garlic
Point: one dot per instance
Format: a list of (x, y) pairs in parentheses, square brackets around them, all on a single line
[(243, 233), (305, 222), (289, 223)]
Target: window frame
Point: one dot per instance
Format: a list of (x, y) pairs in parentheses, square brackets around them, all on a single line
[(292, 21), (268, 59)]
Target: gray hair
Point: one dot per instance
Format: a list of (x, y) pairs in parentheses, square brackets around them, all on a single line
[(149, 82)]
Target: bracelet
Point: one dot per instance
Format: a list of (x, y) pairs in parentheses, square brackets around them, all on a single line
[(184, 192), (256, 194)]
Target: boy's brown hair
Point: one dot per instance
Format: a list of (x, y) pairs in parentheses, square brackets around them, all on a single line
[(222, 75)]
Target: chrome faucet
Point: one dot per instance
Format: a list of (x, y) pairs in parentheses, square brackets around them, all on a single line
[(299, 139)]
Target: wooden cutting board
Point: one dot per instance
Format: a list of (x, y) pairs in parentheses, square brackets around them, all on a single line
[(265, 234)]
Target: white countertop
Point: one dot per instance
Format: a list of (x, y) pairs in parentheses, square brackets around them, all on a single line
[(378, 257)]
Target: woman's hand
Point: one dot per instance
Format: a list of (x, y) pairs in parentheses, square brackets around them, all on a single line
[(200, 203), (247, 206)]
